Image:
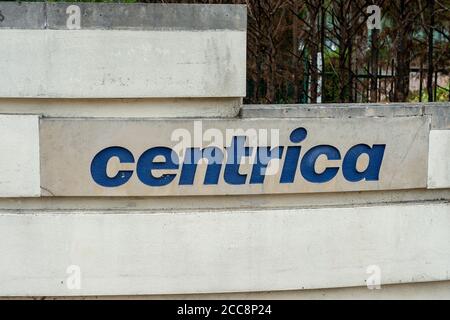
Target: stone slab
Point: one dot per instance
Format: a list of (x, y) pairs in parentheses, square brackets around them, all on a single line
[(113, 253), (438, 111), (68, 147), (125, 108), (123, 16), (155, 16), (22, 15), (122, 64)]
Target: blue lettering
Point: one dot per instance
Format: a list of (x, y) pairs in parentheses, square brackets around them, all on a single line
[(293, 156), (308, 163), (163, 159), (146, 164), (192, 158), (263, 157), (372, 173), (100, 163), (236, 152)]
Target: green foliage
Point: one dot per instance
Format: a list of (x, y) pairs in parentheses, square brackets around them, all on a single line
[(441, 96)]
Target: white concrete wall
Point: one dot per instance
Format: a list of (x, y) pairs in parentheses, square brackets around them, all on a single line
[(19, 156), (140, 246), (125, 108), (122, 64), (221, 251), (439, 160)]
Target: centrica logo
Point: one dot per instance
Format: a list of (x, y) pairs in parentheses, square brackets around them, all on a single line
[(160, 166)]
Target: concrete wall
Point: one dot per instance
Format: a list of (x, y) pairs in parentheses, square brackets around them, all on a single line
[(189, 245), (77, 88), (410, 161), (155, 51), (412, 291), (20, 157), (125, 253)]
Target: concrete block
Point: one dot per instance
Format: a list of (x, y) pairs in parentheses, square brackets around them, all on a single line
[(125, 108), (122, 50), (126, 253), (351, 110), (19, 160), (122, 64), (439, 160), (122, 16), (440, 113)]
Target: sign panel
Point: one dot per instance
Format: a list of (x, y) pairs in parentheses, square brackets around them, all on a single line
[(94, 157)]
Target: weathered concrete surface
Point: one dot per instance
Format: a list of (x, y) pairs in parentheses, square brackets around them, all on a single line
[(154, 205), (222, 251), (122, 51), (122, 64), (439, 160), (172, 245), (74, 144), (22, 15), (19, 156), (439, 112), (217, 107), (125, 108), (331, 110), (154, 16)]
